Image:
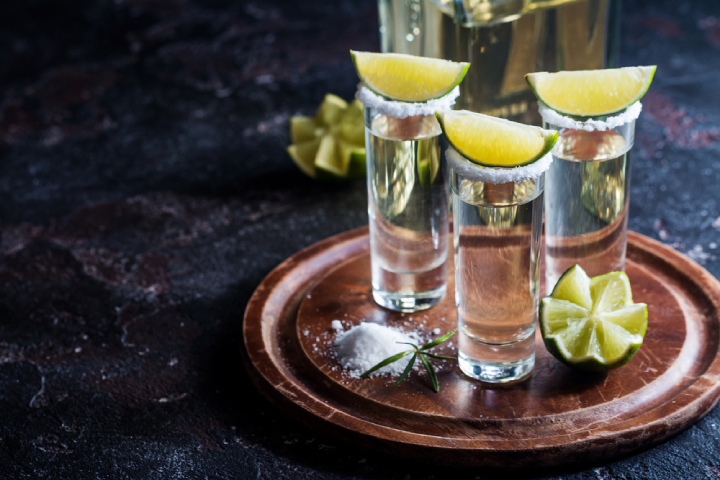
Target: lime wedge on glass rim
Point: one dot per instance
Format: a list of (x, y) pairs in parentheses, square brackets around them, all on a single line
[(592, 324), (495, 142), (408, 78), (591, 93)]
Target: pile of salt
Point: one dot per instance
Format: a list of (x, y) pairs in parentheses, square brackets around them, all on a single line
[(365, 345)]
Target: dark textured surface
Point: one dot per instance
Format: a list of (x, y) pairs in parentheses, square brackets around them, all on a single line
[(144, 193)]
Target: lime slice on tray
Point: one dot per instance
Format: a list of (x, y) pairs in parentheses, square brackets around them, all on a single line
[(495, 142), (408, 78), (591, 93), (330, 146), (592, 324)]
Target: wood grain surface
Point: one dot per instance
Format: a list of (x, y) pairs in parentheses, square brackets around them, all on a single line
[(558, 416)]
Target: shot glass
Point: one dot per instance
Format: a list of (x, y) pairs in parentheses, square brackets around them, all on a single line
[(407, 209), (587, 197), (496, 237)]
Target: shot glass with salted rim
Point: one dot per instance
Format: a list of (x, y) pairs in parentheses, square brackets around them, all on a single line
[(497, 218), (407, 201), (588, 193)]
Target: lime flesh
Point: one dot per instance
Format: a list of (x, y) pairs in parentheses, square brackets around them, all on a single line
[(352, 125), (408, 78), (591, 93), (330, 111), (303, 155), (495, 142), (330, 146), (302, 129), (592, 324)]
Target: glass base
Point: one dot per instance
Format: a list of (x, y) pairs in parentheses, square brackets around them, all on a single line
[(492, 372), (409, 301)]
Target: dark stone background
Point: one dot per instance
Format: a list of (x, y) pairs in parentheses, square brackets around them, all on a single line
[(145, 192)]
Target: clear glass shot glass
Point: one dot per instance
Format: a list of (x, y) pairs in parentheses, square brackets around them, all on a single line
[(496, 236), (586, 201), (407, 209)]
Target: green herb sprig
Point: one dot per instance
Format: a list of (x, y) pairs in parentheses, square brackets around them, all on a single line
[(417, 352)]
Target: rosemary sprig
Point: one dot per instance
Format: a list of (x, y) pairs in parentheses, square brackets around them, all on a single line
[(418, 352)]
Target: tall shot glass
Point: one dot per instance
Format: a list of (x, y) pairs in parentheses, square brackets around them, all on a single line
[(496, 236), (407, 209), (587, 194)]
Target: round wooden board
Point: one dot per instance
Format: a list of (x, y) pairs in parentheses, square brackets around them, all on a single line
[(559, 416)]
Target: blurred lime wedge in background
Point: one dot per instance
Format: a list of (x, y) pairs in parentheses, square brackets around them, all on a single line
[(352, 126), (303, 154), (330, 111), (302, 129), (331, 145)]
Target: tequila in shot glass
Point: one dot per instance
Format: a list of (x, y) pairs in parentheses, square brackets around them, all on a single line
[(587, 199), (407, 184), (497, 225), (407, 210), (587, 190), (504, 40)]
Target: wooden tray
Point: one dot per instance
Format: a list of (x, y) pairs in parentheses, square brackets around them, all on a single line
[(557, 417)]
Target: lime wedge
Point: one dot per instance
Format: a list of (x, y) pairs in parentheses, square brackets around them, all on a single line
[(358, 165), (302, 129), (352, 125), (352, 157), (495, 142), (574, 286), (330, 110), (592, 324), (591, 93), (611, 292), (337, 160), (328, 163), (303, 154), (330, 146), (408, 78)]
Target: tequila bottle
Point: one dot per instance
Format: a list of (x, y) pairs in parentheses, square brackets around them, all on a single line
[(504, 40)]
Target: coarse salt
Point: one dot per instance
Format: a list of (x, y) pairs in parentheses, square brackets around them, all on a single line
[(337, 325), (472, 171), (590, 125), (405, 109), (365, 345)]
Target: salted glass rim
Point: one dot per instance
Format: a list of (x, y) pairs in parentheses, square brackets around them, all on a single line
[(396, 109), (556, 119), (477, 173)]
